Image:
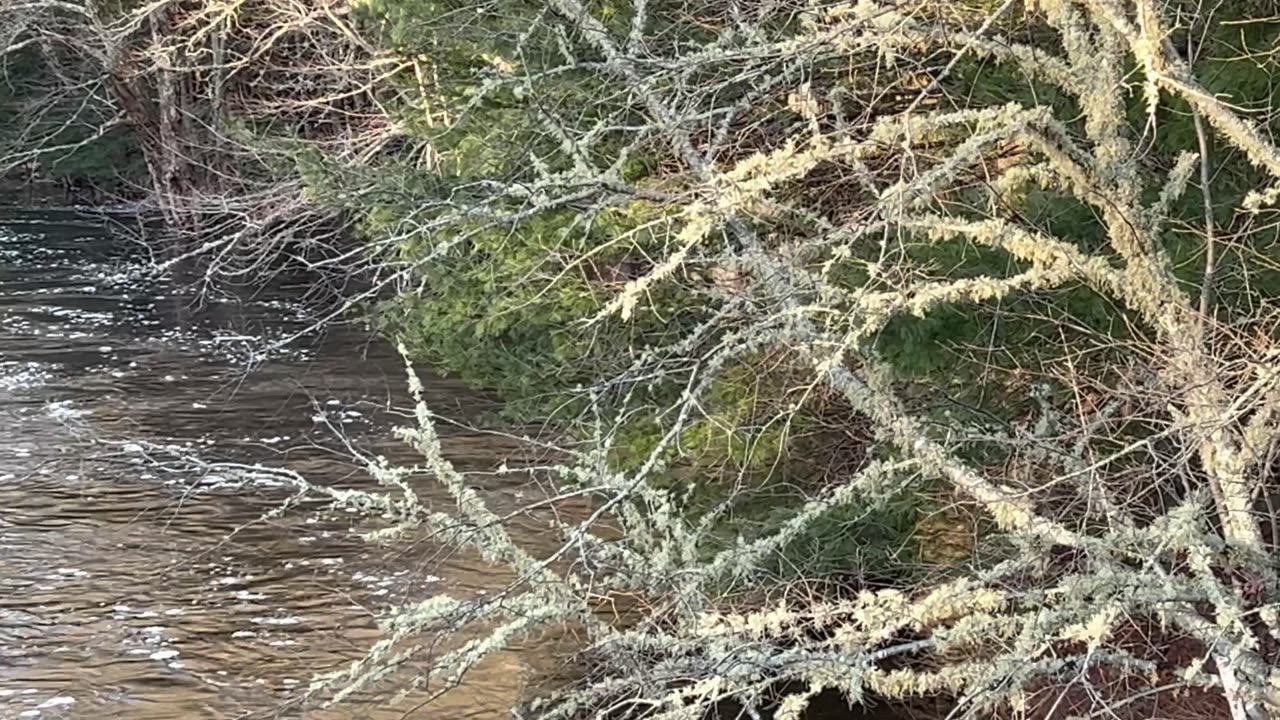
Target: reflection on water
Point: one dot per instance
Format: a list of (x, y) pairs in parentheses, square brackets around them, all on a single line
[(133, 593)]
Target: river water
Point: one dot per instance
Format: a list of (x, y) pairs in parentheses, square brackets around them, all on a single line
[(129, 590)]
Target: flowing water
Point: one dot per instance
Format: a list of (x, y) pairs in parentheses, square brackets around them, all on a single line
[(132, 590)]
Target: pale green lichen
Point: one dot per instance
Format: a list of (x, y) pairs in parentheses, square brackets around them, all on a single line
[(991, 630)]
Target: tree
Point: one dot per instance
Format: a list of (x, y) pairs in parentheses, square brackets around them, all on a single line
[(825, 181), (228, 105)]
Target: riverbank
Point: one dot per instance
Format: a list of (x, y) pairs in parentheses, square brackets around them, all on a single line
[(63, 196)]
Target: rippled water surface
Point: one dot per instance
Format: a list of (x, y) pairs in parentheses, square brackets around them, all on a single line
[(130, 591)]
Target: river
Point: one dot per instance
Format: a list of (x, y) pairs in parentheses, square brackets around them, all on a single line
[(129, 591)]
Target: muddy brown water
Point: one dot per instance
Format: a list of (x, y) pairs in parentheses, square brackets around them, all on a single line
[(131, 592)]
